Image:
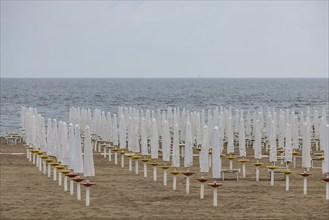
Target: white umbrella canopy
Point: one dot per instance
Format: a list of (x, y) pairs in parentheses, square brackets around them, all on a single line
[(148, 122), (144, 138), (175, 149), (282, 129), (188, 157), (59, 141), (65, 147), (288, 147), (204, 154), (258, 141), (115, 131), (131, 134), (216, 159), (55, 138), (230, 138), (34, 131), (136, 147), (122, 132), (198, 130), (242, 139), (210, 127), (154, 140), (294, 128), (166, 142), (43, 140), (49, 137), (109, 131), (306, 151), (273, 148), (325, 164), (248, 124), (77, 160), (71, 146), (88, 160)]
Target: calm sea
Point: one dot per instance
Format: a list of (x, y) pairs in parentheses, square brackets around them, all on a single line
[(53, 97)]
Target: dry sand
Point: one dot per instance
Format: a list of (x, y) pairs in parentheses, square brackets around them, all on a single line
[(120, 194)]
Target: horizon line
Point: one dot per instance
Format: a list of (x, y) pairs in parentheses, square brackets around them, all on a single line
[(32, 77)]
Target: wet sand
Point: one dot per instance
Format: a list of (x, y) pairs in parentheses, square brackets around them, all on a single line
[(120, 194)]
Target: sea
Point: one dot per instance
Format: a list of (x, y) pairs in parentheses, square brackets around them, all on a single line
[(53, 97)]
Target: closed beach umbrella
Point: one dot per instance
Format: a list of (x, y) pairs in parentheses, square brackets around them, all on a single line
[(188, 157), (288, 147), (88, 160), (166, 145), (115, 131), (203, 159), (242, 139), (273, 148), (77, 152), (306, 157), (122, 132), (144, 138), (175, 150), (71, 143), (258, 141), (154, 140), (230, 138), (216, 159)]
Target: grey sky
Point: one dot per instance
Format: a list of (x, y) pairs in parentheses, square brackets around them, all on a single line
[(164, 39)]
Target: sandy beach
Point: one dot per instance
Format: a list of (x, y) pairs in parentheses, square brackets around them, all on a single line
[(120, 194)]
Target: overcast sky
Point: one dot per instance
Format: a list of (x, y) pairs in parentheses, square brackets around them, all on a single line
[(164, 39)]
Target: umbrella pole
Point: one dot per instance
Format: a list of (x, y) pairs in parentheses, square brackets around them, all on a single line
[(122, 160), (71, 187), (115, 158), (202, 190), (136, 166), (30, 154), (145, 169), (49, 170), (287, 182), (33, 158), (305, 185), (55, 174), (214, 186), (174, 182), (154, 173), (165, 177), (104, 152), (110, 154), (202, 181), (244, 170), (257, 173), (59, 178), (44, 167), (187, 185), (78, 191), (36, 160), (130, 165), (231, 162), (65, 183), (87, 196), (215, 196)]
